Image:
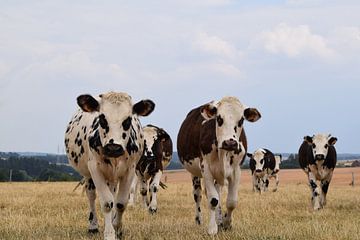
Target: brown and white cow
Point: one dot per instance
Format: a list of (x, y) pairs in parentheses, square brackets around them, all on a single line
[(157, 154), (212, 144), (104, 141), (263, 164), (317, 157)]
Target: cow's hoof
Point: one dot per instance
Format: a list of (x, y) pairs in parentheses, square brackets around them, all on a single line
[(93, 231), (152, 210), (213, 231), (274, 190), (119, 234)]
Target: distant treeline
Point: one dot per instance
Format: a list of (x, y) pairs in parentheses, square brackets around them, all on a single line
[(50, 167), (35, 168)]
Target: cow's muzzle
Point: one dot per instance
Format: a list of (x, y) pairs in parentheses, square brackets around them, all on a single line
[(319, 157), (230, 145), (113, 150), (258, 170)]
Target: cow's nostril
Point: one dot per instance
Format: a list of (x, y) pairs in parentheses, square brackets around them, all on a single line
[(113, 150)]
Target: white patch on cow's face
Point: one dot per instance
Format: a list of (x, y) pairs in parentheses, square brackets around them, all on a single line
[(320, 145), (115, 119), (277, 163), (258, 157), (150, 136), (229, 121)]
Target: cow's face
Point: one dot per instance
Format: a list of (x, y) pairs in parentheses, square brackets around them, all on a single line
[(320, 144), (229, 114), (259, 159), (278, 159), (116, 118)]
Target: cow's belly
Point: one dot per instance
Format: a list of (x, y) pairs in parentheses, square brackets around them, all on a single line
[(193, 166)]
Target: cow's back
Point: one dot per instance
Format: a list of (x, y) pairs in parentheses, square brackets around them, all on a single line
[(305, 156), (77, 140), (188, 139)]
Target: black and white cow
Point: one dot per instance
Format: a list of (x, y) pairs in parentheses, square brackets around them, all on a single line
[(104, 141), (212, 144), (263, 165), (275, 173), (317, 157), (157, 154)]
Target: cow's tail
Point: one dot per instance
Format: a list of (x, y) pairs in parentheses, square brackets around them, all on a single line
[(81, 182)]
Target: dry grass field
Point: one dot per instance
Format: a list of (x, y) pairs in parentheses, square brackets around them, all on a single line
[(53, 211)]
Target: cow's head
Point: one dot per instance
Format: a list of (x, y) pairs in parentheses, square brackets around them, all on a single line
[(154, 139), (116, 115), (278, 159), (320, 144), (258, 159), (229, 114)]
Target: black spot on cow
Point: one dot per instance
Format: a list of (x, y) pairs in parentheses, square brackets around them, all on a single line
[(325, 186), (196, 197), (68, 129), (91, 216), (231, 160), (241, 121), (124, 135), (235, 129), (91, 185), (214, 202), (84, 129), (313, 184), (120, 207), (95, 123), (197, 220), (126, 123), (82, 150), (79, 142), (199, 209), (103, 123), (107, 161), (73, 154), (94, 142)]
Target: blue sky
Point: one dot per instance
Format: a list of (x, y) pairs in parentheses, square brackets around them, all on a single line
[(297, 61)]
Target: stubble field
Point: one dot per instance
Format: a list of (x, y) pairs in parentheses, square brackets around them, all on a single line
[(53, 211)]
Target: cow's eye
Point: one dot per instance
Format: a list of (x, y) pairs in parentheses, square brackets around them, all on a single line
[(219, 120), (326, 145), (126, 123), (261, 161), (313, 145), (240, 123)]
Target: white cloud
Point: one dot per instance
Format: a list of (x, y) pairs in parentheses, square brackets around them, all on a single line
[(295, 41), (215, 45)]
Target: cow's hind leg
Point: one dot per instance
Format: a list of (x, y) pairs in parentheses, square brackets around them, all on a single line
[(91, 194), (154, 188), (144, 190), (316, 191), (196, 181), (219, 217), (276, 182), (324, 188)]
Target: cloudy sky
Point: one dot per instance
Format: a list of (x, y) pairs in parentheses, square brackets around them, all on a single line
[(297, 61)]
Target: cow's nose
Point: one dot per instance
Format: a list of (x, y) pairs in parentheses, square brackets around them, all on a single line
[(113, 150), (230, 145), (319, 157), (258, 170)]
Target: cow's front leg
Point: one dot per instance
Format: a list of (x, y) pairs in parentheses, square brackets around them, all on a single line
[(325, 187), (315, 190), (265, 182), (106, 199), (154, 188), (121, 201), (256, 183), (232, 197), (276, 182), (213, 199), (91, 194), (196, 182), (133, 190), (144, 190)]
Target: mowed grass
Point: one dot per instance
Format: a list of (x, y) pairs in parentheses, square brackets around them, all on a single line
[(53, 211)]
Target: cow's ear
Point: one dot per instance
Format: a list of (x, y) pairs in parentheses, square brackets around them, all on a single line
[(144, 107), (252, 114), (332, 140), (209, 110), (88, 103), (249, 155), (308, 139)]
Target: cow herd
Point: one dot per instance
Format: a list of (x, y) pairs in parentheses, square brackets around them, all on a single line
[(107, 145)]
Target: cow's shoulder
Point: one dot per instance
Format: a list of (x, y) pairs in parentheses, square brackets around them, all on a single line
[(305, 155), (207, 136)]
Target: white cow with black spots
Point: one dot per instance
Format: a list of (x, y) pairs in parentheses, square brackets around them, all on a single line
[(104, 141)]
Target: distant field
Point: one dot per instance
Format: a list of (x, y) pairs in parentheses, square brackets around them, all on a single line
[(53, 211)]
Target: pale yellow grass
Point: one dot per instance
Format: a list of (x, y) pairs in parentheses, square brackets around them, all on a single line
[(53, 211)]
